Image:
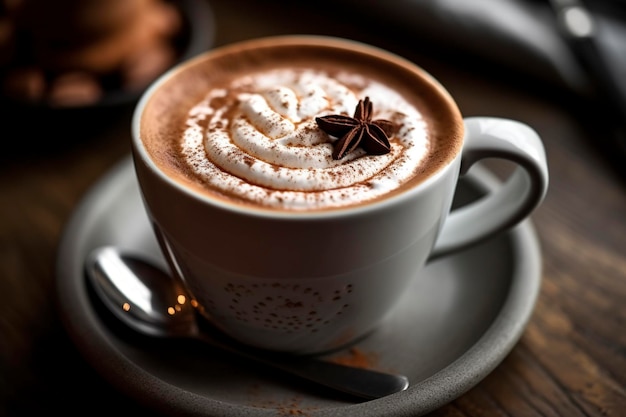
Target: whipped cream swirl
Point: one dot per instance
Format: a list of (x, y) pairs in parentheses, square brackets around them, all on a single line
[(257, 141)]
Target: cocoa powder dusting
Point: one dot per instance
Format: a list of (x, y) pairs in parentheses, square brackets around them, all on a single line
[(286, 407), (358, 358)]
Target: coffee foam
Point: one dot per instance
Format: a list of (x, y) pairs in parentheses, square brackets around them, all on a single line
[(251, 136)]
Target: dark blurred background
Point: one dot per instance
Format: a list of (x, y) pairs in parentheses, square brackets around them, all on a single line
[(61, 60)]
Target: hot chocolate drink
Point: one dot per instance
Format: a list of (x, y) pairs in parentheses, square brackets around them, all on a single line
[(300, 123), (297, 185)]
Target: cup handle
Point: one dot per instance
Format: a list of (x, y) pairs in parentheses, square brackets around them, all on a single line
[(523, 191)]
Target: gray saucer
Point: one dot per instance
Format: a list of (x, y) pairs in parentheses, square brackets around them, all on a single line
[(462, 317)]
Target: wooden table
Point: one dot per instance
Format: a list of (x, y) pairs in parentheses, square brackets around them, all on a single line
[(571, 360)]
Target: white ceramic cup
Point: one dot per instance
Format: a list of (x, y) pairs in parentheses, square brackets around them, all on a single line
[(315, 281)]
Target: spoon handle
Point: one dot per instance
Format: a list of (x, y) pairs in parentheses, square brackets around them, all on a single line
[(360, 382)]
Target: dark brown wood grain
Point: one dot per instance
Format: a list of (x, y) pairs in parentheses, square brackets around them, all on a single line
[(571, 359)]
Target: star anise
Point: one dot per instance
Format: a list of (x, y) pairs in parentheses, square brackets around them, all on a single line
[(372, 136)]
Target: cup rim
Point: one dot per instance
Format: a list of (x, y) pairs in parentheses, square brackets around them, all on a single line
[(139, 150)]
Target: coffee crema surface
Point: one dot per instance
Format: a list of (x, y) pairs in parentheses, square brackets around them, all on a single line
[(239, 124)]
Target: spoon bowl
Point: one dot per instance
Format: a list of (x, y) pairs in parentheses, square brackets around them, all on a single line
[(150, 302), (141, 295)]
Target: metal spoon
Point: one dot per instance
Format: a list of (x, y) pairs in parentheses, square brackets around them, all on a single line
[(149, 301)]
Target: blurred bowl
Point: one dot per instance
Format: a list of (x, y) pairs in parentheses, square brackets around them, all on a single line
[(51, 126)]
